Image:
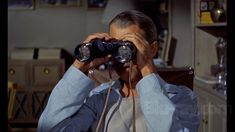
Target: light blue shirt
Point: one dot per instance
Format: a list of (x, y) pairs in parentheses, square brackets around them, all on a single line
[(74, 105)]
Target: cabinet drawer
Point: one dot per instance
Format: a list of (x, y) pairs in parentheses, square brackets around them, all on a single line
[(48, 74), (21, 109), (17, 73)]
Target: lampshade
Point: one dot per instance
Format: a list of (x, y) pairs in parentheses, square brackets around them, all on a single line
[(114, 7)]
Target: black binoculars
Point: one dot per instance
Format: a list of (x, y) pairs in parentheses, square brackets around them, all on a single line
[(121, 51)]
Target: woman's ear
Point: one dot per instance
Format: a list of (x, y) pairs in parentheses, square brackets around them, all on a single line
[(154, 48)]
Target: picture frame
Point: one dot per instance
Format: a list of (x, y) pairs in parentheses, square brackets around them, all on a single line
[(211, 5), (97, 3), (21, 4), (204, 6), (59, 3)]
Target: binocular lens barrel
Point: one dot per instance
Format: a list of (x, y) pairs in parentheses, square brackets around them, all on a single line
[(124, 54), (121, 51), (84, 53)]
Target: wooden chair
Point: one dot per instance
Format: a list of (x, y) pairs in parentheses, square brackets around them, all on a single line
[(173, 75), (11, 91), (178, 76)]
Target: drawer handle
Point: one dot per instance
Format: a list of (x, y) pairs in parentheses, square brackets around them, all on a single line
[(46, 70), (12, 71)]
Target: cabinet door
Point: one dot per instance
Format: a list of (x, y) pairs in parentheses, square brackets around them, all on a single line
[(205, 54), (21, 108), (204, 111), (47, 73), (39, 100), (17, 73), (217, 118), (213, 109)]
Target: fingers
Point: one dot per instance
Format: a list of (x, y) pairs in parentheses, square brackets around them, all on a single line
[(139, 41), (84, 67), (99, 36), (98, 61), (136, 38), (144, 54)]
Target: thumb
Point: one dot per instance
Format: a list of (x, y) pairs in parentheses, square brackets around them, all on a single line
[(98, 61)]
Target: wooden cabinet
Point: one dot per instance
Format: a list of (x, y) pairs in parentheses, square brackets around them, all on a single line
[(35, 79), (17, 72), (211, 102), (205, 36), (212, 106), (205, 52)]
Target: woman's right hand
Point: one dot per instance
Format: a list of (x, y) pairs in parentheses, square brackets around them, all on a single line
[(84, 67)]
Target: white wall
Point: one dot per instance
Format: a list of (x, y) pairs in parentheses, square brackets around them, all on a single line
[(181, 30), (53, 27), (66, 27)]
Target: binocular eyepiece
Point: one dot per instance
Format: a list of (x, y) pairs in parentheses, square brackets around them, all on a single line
[(121, 51)]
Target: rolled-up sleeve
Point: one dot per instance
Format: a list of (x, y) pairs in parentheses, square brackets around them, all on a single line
[(84, 118), (157, 108), (65, 99), (162, 114)]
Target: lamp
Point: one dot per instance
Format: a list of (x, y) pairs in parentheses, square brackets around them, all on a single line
[(115, 7), (221, 71)]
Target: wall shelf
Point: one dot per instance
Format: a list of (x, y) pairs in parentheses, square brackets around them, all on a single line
[(211, 103), (222, 24)]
